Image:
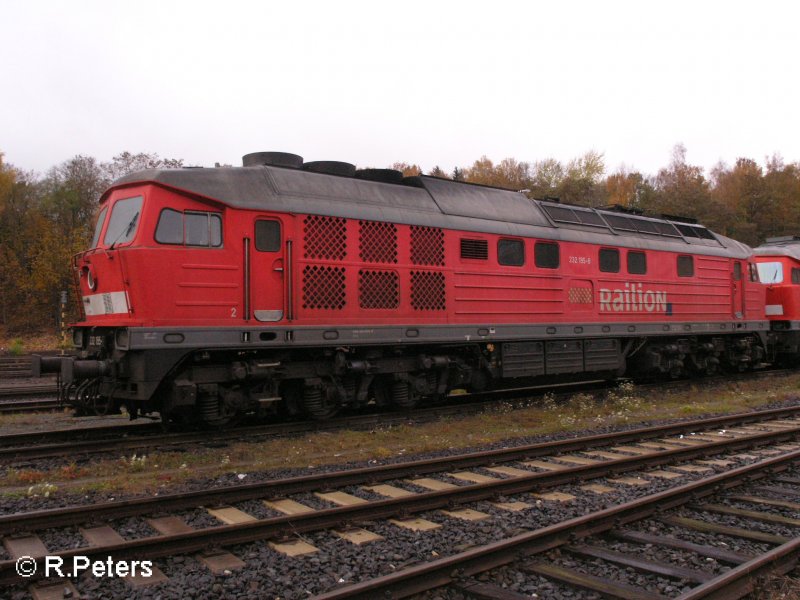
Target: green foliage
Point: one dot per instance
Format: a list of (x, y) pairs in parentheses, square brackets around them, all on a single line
[(43, 223), (16, 347)]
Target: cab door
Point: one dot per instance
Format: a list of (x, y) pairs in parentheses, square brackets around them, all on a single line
[(267, 270), (737, 289)]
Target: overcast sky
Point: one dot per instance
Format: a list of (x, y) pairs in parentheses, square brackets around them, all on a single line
[(432, 83)]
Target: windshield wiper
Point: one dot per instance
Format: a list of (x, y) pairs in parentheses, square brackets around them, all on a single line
[(127, 231)]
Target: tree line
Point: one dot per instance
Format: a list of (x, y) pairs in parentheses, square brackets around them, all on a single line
[(46, 219)]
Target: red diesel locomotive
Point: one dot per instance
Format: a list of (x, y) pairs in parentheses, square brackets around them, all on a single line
[(307, 287), (778, 262)]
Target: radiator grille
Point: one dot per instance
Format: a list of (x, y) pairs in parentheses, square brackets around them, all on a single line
[(325, 237), (377, 242), (323, 287), (427, 246), (427, 290), (378, 289)]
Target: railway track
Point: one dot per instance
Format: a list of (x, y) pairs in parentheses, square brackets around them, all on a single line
[(405, 491), (31, 405), (582, 536), (76, 442)]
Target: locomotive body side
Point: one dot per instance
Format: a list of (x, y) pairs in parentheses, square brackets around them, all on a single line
[(213, 293)]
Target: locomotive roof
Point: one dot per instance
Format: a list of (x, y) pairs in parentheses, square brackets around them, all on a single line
[(782, 246), (433, 202)]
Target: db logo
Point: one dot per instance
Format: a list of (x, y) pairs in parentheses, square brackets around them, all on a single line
[(26, 566)]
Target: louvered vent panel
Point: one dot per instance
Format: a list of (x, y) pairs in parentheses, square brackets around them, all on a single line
[(475, 249), (323, 287), (377, 242), (378, 289), (427, 290), (325, 237), (427, 246)]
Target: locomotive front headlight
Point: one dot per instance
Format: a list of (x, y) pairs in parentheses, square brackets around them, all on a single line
[(91, 280), (77, 338)]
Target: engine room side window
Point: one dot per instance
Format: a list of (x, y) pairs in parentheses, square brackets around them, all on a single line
[(268, 236), (796, 276), (637, 263), (124, 221), (685, 266), (546, 255), (99, 227), (609, 260), (511, 252)]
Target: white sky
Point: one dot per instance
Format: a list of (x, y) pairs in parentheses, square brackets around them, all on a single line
[(422, 82)]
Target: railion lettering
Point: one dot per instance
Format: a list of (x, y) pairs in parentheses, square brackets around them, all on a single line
[(633, 298)]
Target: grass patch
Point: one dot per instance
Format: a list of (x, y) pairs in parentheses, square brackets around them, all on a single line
[(624, 405), (34, 341)]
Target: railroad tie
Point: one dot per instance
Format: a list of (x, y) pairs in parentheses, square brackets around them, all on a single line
[(554, 497), (432, 484), (629, 481), (466, 514), (106, 536), (597, 488), (296, 547), (510, 471), (340, 498), (471, 477), (354, 535), (691, 468), (512, 506), (217, 561), (33, 546), (390, 491), (545, 466), (287, 506), (592, 583), (606, 454), (230, 515), (415, 524)]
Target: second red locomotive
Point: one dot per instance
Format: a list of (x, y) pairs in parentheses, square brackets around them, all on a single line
[(283, 285)]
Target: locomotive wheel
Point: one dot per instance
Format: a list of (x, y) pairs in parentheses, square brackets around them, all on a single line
[(317, 405)]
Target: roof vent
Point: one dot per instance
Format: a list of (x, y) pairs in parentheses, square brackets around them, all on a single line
[(783, 239), (274, 159), (382, 175), (331, 167)]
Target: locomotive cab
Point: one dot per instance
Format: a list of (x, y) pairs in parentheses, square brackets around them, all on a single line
[(778, 262)]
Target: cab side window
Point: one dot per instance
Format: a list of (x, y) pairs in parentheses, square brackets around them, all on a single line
[(190, 228)]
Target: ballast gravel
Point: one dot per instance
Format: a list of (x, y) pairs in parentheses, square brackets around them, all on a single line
[(270, 574)]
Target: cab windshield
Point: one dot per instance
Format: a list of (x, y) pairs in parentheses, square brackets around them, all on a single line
[(124, 221), (99, 227), (770, 272)]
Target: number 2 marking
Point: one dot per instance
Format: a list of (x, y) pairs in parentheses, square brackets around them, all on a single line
[(233, 312)]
